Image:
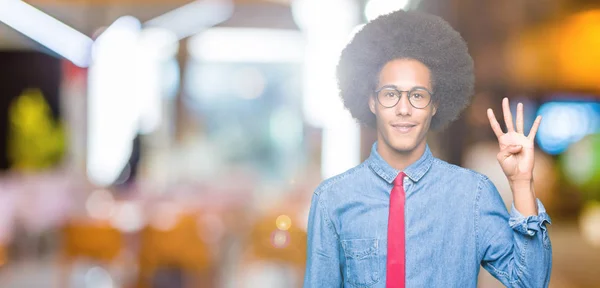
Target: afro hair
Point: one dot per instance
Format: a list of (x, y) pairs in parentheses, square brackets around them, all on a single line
[(407, 35)]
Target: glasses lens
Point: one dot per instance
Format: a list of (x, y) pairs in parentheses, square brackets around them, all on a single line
[(388, 97), (419, 98)]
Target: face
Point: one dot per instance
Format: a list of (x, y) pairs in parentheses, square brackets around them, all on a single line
[(403, 128)]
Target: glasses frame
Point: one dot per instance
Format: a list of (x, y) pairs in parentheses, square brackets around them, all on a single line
[(400, 92)]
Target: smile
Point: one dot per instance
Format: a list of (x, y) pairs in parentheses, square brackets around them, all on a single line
[(403, 128)]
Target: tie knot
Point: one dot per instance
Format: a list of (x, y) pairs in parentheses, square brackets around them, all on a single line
[(399, 179)]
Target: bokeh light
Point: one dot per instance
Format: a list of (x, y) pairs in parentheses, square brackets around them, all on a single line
[(280, 239), (589, 223), (565, 123), (283, 222), (165, 216), (581, 165), (100, 204), (98, 277), (128, 217)]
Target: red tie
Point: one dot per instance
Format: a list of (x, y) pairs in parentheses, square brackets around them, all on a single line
[(395, 249)]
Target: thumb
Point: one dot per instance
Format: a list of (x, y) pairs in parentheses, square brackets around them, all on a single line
[(509, 150)]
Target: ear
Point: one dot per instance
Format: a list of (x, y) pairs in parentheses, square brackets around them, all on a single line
[(372, 105), (434, 110)]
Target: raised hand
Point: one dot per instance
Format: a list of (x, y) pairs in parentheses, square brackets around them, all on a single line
[(516, 156)]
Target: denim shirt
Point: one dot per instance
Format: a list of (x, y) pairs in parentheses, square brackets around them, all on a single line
[(455, 219)]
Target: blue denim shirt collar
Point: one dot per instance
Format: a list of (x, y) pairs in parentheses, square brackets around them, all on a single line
[(414, 171)]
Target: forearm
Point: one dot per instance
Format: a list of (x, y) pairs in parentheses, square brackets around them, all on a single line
[(524, 197), (519, 255), (532, 248)]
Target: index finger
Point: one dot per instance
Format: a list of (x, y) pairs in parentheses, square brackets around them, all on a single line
[(494, 123)]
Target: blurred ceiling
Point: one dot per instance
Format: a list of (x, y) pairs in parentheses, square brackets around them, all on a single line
[(87, 16), (498, 24)]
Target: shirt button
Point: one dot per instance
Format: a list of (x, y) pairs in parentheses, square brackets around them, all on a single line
[(530, 232)]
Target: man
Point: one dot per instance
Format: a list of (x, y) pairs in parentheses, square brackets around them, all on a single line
[(404, 218)]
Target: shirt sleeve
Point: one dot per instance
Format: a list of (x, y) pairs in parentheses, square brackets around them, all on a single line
[(515, 249), (323, 268)]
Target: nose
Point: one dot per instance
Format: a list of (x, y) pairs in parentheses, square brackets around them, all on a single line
[(403, 108)]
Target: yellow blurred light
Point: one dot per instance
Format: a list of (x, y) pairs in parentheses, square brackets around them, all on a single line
[(36, 141), (562, 55), (589, 223), (283, 222), (2, 255), (577, 44), (528, 61)]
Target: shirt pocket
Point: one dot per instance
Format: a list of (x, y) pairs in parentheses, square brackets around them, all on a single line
[(362, 266)]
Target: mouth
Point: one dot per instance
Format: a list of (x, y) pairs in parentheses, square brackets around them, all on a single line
[(404, 127)]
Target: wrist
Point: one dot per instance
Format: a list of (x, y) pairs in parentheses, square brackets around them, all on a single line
[(521, 184), (521, 178), (524, 197)]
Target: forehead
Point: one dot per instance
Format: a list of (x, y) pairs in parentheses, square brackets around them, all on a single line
[(405, 74)]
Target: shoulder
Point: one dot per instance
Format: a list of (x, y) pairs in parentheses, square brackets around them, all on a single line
[(464, 174), (331, 184)]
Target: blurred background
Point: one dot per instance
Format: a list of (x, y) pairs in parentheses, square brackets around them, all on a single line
[(177, 143)]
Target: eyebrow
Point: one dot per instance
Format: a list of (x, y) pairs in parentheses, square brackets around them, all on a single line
[(396, 87)]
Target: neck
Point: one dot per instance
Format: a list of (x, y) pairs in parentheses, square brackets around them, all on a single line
[(399, 160)]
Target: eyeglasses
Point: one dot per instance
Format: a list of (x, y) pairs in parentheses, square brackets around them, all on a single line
[(388, 96)]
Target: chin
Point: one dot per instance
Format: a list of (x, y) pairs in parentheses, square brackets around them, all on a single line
[(402, 145)]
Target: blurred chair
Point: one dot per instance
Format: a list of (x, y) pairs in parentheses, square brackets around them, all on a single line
[(95, 240), (276, 252), (3, 256), (178, 249), (270, 243)]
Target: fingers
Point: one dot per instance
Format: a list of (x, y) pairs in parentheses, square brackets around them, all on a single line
[(507, 115), (494, 123), (520, 118), (534, 128)]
